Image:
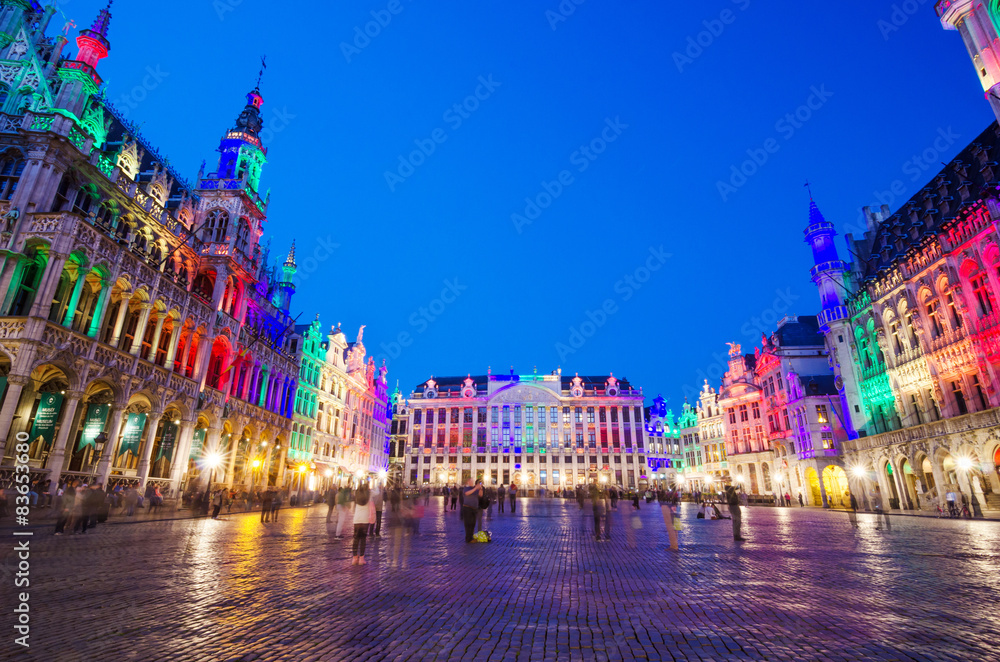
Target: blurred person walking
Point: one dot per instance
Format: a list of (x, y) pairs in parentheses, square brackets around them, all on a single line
[(471, 495), (364, 515)]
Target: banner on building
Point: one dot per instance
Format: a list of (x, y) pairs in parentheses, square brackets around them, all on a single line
[(197, 442), (132, 436), (44, 426), (167, 442), (93, 424)]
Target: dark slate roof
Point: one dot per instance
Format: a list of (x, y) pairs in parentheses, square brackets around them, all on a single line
[(120, 125), (819, 384), (802, 333), (951, 190)]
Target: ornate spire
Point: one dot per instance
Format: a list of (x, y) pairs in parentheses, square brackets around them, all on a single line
[(290, 260), (93, 43), (103, 21)]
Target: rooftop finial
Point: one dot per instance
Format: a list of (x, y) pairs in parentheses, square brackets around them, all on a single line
[(809, 188), (290, 260), (260, 74)]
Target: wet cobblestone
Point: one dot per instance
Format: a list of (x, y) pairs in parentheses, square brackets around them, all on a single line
[(806, 586)]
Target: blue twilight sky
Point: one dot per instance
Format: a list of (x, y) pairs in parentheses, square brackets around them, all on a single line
[(432, 251)]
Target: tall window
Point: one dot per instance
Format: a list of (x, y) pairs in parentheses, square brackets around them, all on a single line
[(956, 390), (932, 314), (216, 226), (821, 414), (980, 395), (31, 274), (956, 319), (743, 414), (11, 167), (984, 297), (756, 409)]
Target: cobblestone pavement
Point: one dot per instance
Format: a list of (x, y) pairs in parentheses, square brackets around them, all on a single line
[(806, 586)]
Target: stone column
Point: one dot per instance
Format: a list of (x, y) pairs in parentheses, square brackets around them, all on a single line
[(108, 453), (47, 288), (140, 328), (116, 335), (74, 298), (160, 319), (179, 464), (103, 299), (186, 353), (175, 338), (142, 471), (15, 384), (58, 455)]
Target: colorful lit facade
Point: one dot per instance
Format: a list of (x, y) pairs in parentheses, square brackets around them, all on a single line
[(539, 431), (712, 432), (137, 308), (398, 436), (664, 451)]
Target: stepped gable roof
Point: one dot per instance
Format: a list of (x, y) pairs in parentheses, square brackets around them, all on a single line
[(957, 186)]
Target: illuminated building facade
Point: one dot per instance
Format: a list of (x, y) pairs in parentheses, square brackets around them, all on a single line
[(711, 431), (398, 436), (664, 450), (141, 326), (539, 431)]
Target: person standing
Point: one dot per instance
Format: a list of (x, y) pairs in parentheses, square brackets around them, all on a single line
[(880, 513), (275, 505), (800, 500), (343, 500), (217, 499), (470, 499), (501, 496), (331, 503), (66, 508), (733, 499), (265, 505), (377, 501), (490, 498), (635, 500), (454, 497), (613, 495), (364, 514), (852, 510), (597, 506), (512, 495), (483, 502)]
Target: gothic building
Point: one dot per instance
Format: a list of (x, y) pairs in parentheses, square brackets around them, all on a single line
[(142, 325), (538, 431)]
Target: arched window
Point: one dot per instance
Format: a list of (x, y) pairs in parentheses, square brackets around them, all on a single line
[(11, 167), (84, 199), (216, 226), (27, 282), (204, 285)]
